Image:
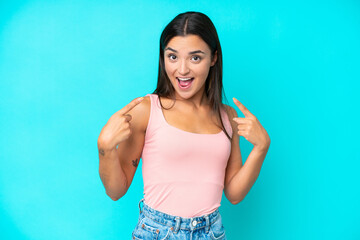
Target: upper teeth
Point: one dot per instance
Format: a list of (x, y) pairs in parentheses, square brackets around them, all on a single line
[(184, 79)]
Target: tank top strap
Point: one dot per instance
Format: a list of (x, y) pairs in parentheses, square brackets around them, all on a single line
[(155, 119), (226, 122), (155, 104)]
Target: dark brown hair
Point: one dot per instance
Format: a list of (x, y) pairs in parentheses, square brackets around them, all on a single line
[(198, 24)]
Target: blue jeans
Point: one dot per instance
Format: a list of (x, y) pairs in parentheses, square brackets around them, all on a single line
[(156, 225)]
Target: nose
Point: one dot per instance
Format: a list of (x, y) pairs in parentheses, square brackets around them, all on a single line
[(183, 68)]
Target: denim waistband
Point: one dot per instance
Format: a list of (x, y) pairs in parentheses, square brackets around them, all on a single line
[(176, 222)]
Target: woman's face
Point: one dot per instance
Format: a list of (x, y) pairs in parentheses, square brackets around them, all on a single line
[(187, 64)]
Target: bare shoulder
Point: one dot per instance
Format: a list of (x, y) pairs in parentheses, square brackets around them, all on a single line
[(140, 114), (231, 112)]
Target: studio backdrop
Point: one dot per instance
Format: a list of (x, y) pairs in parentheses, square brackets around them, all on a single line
[(67, 66)]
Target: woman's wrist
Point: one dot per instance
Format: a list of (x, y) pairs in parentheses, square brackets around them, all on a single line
[(105, 147), (262, 148)]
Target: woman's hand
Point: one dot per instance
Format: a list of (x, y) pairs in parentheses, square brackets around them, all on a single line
[(251, 129), (117, 129)]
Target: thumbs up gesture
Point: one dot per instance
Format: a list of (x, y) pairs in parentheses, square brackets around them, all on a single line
[(118, 127), (250, 128)]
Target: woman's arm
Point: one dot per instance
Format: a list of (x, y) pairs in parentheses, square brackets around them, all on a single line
[(240, 178), (117, 167), (243, 178), (111, 173)]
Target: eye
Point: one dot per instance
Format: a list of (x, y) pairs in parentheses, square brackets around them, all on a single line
[(196, 58), (171, 56)]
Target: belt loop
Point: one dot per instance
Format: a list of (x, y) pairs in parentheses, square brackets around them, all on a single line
[(142, 200), (207, 223), (177, 226)]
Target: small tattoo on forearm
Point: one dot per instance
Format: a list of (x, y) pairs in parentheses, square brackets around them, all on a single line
[(102, 152), (135, 162)]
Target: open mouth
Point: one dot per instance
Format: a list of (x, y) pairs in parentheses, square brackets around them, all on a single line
[(185, 83)]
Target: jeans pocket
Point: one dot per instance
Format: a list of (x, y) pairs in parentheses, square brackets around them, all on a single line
[(217, 230), (149, 229)]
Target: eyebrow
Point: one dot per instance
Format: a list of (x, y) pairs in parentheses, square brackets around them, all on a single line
[(193, 52)]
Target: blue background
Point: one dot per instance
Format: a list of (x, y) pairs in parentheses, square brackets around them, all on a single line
[(66, 67)]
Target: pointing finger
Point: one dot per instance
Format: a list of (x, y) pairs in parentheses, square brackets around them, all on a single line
[(130, 106), (242, 108)]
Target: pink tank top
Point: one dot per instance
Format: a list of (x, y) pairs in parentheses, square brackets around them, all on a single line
[(183, 172)]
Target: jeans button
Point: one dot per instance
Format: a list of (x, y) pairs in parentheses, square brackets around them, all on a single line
[(194, 223)]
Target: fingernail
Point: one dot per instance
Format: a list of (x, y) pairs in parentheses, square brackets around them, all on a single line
[(140, 99)]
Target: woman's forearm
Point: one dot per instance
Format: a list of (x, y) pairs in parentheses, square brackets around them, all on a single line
[(244, 179), (111, 172)]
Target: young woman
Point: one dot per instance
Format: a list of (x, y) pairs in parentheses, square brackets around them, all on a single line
[(186, 137)]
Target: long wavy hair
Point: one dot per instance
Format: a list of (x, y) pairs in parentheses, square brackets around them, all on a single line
[(199, 24)]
